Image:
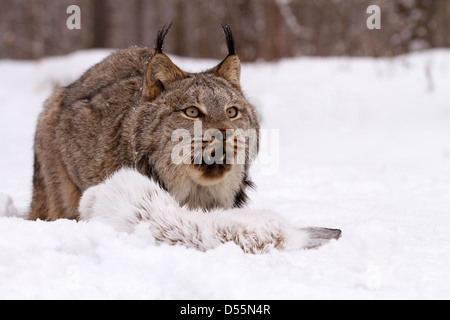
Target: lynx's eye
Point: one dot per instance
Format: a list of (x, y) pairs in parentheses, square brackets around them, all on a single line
[(232, 112), (192, 112)]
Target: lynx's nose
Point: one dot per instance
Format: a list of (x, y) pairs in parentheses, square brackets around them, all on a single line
[(218, 148), (211, 161)]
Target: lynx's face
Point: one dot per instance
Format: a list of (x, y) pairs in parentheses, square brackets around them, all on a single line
[(196, 133), (213, 130)]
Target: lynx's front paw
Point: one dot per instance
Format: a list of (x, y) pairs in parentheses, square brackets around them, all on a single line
[(261, 231), (258, 232), (256, 240), (284, 238)]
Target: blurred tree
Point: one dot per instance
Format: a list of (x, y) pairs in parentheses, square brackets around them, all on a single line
[(100, 32), (264, 29)]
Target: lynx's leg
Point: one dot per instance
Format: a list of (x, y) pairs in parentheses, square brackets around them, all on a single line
[(39, 207), (55, 196), (128, 198)]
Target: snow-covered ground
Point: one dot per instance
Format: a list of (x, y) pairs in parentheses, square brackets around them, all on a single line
[(364, 146)]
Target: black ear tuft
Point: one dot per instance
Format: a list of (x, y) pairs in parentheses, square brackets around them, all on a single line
[(162, 33), (229, 39)]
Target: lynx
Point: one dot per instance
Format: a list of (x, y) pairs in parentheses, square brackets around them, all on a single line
[(122, 113)]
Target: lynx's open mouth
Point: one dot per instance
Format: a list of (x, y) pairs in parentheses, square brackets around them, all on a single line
[(209, 173), (213, 171), (215, 160)]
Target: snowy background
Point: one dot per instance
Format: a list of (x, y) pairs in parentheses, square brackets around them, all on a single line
[(364, 146)]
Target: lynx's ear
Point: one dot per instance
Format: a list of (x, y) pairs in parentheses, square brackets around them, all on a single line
[(161, 70), (230, 68)]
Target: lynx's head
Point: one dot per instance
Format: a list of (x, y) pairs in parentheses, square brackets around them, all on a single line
[(195, 133)]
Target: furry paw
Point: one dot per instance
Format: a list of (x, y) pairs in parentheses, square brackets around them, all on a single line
[(275, 234), (259, 231)]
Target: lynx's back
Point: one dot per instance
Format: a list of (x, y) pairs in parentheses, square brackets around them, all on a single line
[(77, 133), (120, 66)]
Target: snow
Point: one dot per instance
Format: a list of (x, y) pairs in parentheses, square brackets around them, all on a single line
[(364, 146)]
